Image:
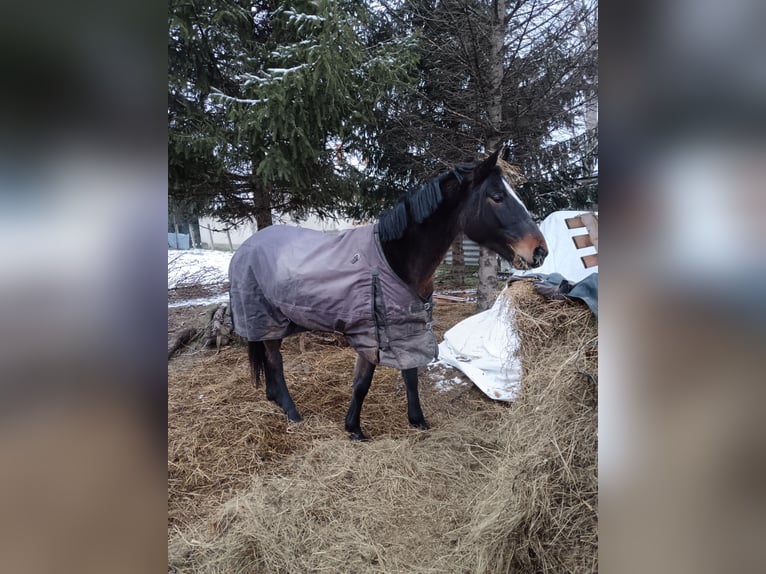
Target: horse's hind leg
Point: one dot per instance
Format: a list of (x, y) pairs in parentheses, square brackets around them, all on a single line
[(256, 354), (414, 412), (363, 371), (276, 387), (266, 357)]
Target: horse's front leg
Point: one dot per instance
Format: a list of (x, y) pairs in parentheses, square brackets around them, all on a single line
[(414, 412), (363, 371)]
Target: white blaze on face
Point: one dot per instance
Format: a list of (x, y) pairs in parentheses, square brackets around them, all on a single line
[(512, 193)]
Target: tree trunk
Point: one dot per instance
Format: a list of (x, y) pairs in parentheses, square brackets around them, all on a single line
[(458, 260), (486, 293), (486, 290), (587, 32), (194, 234), (175, 226), (262, 206)]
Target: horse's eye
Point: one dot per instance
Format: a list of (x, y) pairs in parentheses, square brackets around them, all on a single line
[(497, 197)]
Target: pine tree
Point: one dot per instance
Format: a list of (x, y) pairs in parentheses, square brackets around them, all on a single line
[(499, 72), (205, 40), (284, 97)]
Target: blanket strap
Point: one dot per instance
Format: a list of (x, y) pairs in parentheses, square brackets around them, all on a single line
[(374, 284), (426, 305), (379, 317), (339, 327)]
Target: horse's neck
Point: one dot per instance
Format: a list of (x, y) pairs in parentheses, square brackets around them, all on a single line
[(416, 256)]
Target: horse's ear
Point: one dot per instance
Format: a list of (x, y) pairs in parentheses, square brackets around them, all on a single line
[(482, 171)]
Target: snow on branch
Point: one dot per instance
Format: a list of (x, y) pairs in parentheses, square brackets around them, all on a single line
[(290, 50), (226, 98), (298, 17), (285, 71), (270, 75)]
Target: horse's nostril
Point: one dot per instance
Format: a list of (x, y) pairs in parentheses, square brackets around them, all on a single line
[(538, 256)]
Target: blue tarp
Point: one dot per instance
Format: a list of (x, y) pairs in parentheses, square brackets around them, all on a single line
[(556, 286), (183, 241)]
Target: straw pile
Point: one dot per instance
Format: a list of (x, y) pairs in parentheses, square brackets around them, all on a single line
[(491, 488)]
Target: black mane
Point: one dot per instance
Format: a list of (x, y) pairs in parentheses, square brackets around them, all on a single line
[(416, 206)]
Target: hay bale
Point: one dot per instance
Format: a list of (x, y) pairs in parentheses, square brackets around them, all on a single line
[(507, 488), (539, 510)]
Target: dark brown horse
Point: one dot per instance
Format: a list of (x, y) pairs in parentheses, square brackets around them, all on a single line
[(373, 283)]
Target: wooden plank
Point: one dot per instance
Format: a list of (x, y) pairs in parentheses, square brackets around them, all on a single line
[(590, 260), (582, 241), (574, 222), (450, 298)]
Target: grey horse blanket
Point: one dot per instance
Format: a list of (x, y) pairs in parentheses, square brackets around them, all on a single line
[(287, 279)]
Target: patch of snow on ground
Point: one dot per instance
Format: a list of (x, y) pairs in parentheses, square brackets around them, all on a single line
[(447, 384), (197, 267), (439, 363), (440, 377), (221, 298)]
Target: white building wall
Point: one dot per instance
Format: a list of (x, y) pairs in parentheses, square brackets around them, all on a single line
[(237, 235)]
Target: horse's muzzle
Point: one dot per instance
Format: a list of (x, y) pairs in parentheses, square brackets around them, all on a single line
[(530, 252)]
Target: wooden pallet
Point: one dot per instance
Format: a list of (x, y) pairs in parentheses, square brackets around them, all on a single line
[(589, 223)]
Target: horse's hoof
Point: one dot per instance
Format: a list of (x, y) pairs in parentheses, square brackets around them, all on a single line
[(294, 417), (422, 425), (358, 436)]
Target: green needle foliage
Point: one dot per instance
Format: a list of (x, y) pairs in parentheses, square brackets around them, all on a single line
[(271, 99)]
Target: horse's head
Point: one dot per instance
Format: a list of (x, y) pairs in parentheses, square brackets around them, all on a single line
[(496, 218)]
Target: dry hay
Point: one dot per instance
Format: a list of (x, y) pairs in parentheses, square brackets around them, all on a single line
[(539, 510), (500, 488), (222, 430)]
